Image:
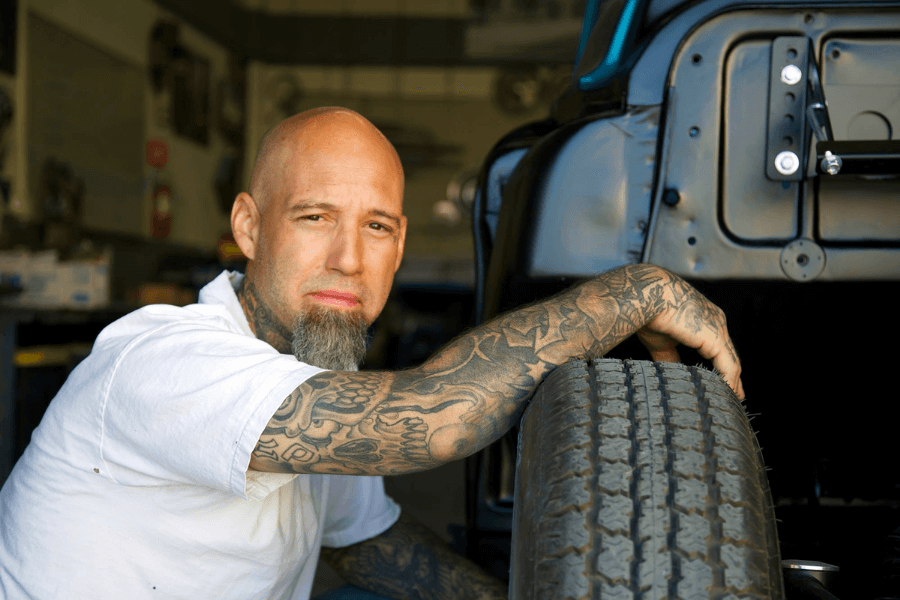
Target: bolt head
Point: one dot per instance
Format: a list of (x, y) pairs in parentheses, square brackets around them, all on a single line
[(791, 74), (831, 164), (787, 163)]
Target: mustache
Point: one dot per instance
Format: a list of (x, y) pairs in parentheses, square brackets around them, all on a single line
[(329, 283)]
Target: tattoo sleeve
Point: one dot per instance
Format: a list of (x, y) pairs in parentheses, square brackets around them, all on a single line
[(409, 562), (472, 391)]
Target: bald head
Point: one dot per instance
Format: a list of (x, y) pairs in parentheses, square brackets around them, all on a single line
[(296, 143), (322, 225)]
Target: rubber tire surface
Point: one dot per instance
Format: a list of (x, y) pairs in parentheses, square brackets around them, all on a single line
[(641, 480)]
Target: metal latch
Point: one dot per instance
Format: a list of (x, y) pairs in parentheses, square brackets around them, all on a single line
[(787, 135), (797, 100), (870, 159)]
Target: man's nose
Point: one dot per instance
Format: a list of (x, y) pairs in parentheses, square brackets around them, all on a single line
[(345, 254)]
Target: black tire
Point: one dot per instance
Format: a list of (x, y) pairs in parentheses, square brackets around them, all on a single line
[(641, 480)]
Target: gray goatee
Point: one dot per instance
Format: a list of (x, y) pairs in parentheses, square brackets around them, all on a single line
[(330, 339)]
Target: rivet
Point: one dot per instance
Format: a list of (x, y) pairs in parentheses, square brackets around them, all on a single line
[(671, 197)]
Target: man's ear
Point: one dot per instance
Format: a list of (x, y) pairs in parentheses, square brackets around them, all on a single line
[(245, 224), (401, 242)]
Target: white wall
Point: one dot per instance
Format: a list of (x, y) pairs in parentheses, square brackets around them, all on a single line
[(122, 29)]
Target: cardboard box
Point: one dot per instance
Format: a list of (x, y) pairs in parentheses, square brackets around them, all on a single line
[(14, 266), (82, 284), (51, 284)]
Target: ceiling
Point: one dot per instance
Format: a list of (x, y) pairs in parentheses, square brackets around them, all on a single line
[(488, 33)]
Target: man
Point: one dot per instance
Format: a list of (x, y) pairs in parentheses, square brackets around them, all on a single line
[(186, 457)]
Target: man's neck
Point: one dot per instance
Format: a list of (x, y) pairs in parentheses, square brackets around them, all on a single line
[(263, 322)]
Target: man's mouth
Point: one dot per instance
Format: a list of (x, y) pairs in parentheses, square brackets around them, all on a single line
[(335, 298)]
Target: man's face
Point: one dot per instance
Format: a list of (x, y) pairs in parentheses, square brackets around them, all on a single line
[(332, 232)]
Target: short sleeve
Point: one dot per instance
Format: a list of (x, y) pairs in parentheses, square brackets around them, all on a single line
[(356, 509), (188, 400)]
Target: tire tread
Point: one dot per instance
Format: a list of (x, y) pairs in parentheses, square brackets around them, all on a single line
[(644, 481)]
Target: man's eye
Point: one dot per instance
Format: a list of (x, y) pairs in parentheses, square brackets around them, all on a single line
[(380, 227), (312, 217)]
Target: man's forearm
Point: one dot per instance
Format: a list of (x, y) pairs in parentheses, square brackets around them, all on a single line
[(469, 393), (409, 562)]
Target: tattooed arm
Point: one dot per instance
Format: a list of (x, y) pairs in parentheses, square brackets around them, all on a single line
[(409, 562), (475, 389)]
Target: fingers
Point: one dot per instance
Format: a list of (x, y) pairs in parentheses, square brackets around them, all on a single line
[(662, 348), (728, 366), (710, 337), (732, 377), (668, 355), (725, 361), (701, 325), (682, 315)]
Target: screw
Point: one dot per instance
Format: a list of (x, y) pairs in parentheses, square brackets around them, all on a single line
[(791, 74), (831, 164), (787, 163)]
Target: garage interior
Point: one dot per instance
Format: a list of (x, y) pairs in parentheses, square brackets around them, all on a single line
[(127, 127)]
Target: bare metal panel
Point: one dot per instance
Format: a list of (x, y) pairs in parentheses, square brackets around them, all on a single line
[(687, 237), (753, 206), (860, 61), (729, 221), (851, 210), (861, 79), (597, 197)]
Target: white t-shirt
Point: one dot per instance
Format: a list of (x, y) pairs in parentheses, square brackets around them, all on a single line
[(135, 484)]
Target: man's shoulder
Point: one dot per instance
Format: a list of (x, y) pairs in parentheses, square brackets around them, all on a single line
[(163, 319), (214, 327)]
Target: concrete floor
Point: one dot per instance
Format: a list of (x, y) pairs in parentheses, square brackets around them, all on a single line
[(436, 498)]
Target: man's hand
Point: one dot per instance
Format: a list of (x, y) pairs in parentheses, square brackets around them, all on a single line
[(409, 562), (472, 391), (690, 319)]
